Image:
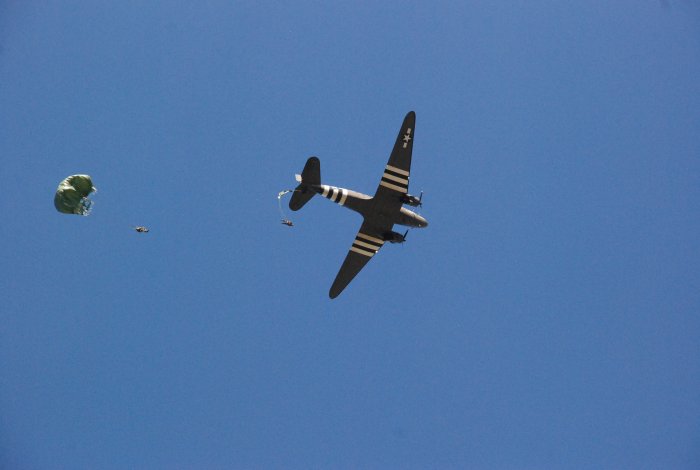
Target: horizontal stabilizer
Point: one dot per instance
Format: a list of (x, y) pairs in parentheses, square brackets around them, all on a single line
[(302, 195), (310, 177), (312, 172)]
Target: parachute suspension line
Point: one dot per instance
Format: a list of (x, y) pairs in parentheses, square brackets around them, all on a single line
[(285, 220), (85, 206)]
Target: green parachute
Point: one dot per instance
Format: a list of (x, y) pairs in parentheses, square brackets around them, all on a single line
[(72, 195)]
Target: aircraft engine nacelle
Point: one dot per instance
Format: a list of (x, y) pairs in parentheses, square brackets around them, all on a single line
[(412, 201), (395, 237)]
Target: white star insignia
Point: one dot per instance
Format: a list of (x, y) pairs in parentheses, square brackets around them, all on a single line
[(406, 138)]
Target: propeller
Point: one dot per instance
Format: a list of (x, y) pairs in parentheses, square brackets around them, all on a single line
[(395, 237), (413, 200)]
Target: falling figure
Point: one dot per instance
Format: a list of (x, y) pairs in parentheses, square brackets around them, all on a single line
[(285, 220)]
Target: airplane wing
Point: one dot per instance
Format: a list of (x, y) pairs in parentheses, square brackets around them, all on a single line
[(394, 182), (366, 244), (387, 200)]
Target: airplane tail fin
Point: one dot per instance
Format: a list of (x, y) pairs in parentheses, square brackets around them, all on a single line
[(310, 176)]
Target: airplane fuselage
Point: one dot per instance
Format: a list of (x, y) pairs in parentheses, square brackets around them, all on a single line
[(365, 205)]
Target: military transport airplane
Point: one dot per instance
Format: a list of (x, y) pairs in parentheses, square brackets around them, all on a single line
[(380, 212)]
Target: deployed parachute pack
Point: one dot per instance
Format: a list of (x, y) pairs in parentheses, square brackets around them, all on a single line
[(72, 195)]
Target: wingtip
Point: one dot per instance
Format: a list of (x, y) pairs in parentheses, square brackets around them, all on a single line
[(335, 290)]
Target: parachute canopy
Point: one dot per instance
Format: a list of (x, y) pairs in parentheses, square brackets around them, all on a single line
[(72, 195)]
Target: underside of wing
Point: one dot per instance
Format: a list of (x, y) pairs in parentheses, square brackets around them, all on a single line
[(366, 244), (394, 183)]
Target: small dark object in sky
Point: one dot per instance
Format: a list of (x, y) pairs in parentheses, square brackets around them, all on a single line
[(141, 229)]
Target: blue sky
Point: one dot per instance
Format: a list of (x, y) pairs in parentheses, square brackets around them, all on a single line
[(547, 317)]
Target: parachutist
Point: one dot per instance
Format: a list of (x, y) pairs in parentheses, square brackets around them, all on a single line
[(141, 229), (285, 220)]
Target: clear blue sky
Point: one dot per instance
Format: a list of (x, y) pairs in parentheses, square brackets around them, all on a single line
[(548, 318)]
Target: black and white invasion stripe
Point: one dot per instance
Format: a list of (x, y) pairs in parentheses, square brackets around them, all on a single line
[(395, 178), (338, 195), (366, 245)]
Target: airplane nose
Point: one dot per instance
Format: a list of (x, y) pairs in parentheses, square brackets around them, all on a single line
[(421, 221)]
